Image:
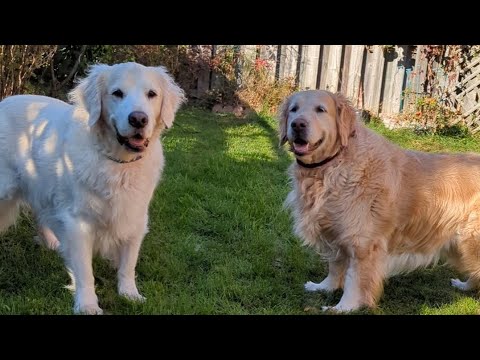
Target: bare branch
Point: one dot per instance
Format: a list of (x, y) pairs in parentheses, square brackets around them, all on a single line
[(18, 63), (75, 67)]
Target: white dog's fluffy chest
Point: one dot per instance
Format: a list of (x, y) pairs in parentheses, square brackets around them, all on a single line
[(119, 200), (76, 178)]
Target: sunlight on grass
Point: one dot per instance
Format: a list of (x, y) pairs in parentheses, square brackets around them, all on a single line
[(466, 306), (432, 143)]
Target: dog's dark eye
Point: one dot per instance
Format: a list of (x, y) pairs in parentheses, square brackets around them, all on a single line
[(151, 94), (320, 109), (118, 93), (294, 109)]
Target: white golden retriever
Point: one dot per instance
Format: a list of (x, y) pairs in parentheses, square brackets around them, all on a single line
[(88, 170), (371, 208)]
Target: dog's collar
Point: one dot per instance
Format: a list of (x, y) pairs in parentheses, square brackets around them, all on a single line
[(321, 163), (123, 161)]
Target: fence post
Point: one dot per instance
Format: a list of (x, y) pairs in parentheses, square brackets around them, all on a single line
[(269, 53), (238, 64), (248, 53), (332, 75), (299, 65), (346, 69), (309, 66), (288, 61), (392, 90), (324, 66), (355, 71), (203, 81), (373, 78)]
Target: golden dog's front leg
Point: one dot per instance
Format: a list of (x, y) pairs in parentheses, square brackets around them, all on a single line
[(364, 278), (334, 279)]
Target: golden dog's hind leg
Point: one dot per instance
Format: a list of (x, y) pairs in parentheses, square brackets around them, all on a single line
[(335, 278), (466, 258), (468, 285), (47, 238)]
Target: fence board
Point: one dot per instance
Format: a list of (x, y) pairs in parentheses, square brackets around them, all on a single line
[(416, 83), (397, 82), (413, 79), (215, 79), (333, 68), (369, 79), (203, 81), (249, 53), (472, 64), (353, 87), (377, 81), (346, 69), (325, 59), (374, 80), (472, 110), (391, 62), (469, 77), (269, 53), (473, 85), (309, 66), (421, 69), (288, 64)]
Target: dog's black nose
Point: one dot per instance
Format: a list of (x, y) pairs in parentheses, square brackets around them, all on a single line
[(138, 119), (299, 124)]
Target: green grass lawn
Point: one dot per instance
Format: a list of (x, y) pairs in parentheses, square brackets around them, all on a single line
[(219, 241)]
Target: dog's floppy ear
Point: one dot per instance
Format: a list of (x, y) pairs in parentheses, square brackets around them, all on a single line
[(88, 92), (172, 97), (346, 116), (282, 120)]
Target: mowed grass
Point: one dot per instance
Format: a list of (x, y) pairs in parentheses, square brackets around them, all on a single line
[(220, 241)]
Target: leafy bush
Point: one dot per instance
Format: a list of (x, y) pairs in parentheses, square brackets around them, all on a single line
[(428, 115), (260, 91), (246, 82), (233, 78)]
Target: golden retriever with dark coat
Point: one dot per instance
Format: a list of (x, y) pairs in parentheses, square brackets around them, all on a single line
[(371, 208)]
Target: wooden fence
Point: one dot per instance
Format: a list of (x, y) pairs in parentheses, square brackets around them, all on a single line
[(386, 80), (382, 79)]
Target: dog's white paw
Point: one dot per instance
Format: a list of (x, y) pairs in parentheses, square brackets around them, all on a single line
[(311, 286), (52, 244), (460, 285), (46, 238), (37, 240), (337, 309), (133, 295), (90, 309)]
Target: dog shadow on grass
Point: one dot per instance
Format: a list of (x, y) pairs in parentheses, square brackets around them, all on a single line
[(422, 292), (34, 280)]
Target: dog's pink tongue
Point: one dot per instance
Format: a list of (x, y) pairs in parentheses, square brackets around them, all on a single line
[(136, 142), (300, 148)]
